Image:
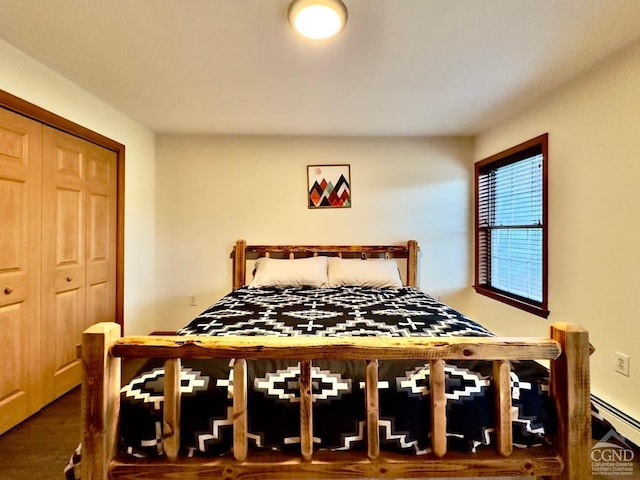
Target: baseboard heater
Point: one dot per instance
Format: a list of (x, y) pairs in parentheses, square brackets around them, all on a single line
[(618, 414)]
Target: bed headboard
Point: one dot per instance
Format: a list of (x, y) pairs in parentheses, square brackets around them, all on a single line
[(243, 252)]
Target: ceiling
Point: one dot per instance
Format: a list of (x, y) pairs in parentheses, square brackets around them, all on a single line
[(401, 67)]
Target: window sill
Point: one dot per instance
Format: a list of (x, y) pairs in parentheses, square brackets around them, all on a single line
[(536, 309)]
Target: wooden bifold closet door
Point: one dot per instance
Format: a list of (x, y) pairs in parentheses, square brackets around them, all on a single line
[(20, 260), (78, 251), (61, 238)]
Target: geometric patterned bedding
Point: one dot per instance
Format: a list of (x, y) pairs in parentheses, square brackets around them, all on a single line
[(338, 386)]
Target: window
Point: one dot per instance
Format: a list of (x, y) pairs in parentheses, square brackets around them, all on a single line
[(511, 226)]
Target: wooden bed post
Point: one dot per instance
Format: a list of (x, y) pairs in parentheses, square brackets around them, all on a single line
[(100, 400), (571, 393), (372, 405), (239, 264), (306, 410), (171, 413), (240, 439), (437, 383), (412, 263)]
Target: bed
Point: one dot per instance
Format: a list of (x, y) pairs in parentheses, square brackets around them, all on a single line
[(408, 382)]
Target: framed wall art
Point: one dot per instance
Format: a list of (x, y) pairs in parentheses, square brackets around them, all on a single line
[(329, 186)]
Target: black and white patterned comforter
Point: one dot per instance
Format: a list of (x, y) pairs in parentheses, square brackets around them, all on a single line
[(338, 386)]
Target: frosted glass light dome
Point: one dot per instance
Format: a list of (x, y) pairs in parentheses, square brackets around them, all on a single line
[(318, 19)]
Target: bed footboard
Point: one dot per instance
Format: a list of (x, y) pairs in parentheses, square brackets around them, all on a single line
[(568, 458)]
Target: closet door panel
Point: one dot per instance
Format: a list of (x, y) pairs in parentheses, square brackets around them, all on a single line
[(16, 388), (63, 249), (99, 306), (14, 227), (20, 232), (67, 238), (69, 317), (101, 234)]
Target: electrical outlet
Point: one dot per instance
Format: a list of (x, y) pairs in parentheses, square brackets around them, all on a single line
[(622, 363), (192, 299)]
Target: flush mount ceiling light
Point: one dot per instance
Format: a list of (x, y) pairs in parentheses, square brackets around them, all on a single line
[(317, 19)]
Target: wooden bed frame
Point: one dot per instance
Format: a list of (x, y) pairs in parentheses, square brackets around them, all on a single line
[(567, 349)]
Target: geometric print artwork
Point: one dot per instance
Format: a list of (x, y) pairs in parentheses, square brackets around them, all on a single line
[(329, 186)]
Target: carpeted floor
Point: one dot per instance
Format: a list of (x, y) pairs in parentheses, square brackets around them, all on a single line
[(40, 447)]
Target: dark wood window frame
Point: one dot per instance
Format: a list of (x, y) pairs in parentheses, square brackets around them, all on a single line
[(34, 112), (482, 281)]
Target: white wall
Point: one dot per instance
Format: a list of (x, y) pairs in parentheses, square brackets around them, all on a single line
[(213, 190), (594, 247), (25, 78)]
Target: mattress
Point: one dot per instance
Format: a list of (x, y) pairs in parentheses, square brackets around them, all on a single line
[(338, 386)]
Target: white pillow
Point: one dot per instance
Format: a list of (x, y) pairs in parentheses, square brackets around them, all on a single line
[(373, 272), (298, 272)]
